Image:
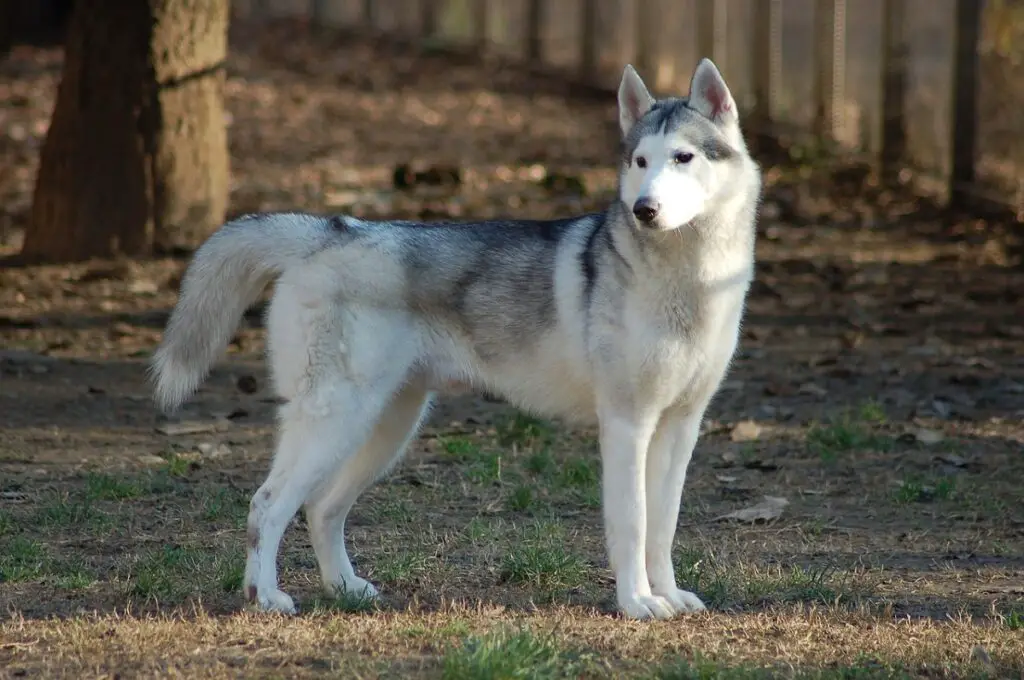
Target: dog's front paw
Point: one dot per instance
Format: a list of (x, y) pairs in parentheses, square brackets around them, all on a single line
[(644, 607), (683, 601), (356, 588), (274, 601)]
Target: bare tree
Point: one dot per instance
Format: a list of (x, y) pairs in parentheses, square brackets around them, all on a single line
[(135, 161)]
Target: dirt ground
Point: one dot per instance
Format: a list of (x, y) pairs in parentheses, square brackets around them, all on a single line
[(879, 390)]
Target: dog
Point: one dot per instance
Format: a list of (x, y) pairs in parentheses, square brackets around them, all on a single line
[(626, 319)]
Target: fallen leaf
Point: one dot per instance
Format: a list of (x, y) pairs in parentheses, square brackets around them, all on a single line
[(768, 509), (196, 427), (951, 459), (928, 437), (745, 431), (212, 450), (813, 390)]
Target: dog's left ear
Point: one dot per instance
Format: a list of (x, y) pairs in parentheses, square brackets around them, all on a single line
[(634, 99), (710, 96)]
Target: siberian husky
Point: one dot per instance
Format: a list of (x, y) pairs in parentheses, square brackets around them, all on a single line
[(627, 319)]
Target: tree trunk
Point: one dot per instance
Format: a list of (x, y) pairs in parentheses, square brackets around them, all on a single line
[(135, 161)]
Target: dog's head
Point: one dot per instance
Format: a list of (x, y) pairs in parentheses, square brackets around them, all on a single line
[(679, 154)]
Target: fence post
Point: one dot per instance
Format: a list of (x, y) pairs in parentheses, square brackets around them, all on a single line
[(830, 83), (766, 66), (534, 22), (428, 18), (894, 85), (588, 40), (646, 37), (481, 20), (712, 31), (369, 14), (964, 122)]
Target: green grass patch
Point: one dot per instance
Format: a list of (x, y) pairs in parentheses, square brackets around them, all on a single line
[(510, 655), (460, 448), (7, 524), (103, 487), (850, 431), (522, 499), (168, 573), (22, 559), (542, 558), (723, 586), (1014, 620), (62, 511), (224, 504), (541, 463), (524, 431), (921, 491), (706, 669), (74, 577), (401, 567), (344, 603)]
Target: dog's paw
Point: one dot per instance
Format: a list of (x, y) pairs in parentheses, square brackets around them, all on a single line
[(356, 588), (683, 601), (644, 607), (275, 601)]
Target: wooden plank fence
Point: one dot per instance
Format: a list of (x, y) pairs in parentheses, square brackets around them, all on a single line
[(924, 89)]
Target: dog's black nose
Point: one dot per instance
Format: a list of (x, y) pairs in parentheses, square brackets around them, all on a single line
[(645, 210)]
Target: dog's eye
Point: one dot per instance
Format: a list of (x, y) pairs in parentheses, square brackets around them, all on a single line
[(682, 157), (641, 162)]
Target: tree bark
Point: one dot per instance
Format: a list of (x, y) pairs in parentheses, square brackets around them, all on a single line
[(135, 161)]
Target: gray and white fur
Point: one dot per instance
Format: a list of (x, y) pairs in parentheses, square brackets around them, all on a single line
[(627, 319)]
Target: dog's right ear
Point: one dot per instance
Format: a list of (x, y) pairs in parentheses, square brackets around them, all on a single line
[(634, 99)]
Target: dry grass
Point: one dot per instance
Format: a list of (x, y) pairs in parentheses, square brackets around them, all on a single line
[(877, 389)]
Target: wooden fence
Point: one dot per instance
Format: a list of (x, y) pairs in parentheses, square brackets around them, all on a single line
[(928, 90)]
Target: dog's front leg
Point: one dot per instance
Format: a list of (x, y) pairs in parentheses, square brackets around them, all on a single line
[(624, 441), (667, 459)]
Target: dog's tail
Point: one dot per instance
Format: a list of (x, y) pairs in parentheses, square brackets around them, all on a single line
[(226, 275)]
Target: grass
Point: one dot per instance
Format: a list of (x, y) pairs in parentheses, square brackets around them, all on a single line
[(224, 504), (1014, 620), (541, 558), (919, 491), (344, 603), (66, 511), (522, 499), (22, 559), (508, 578), (401, 566), (706, 669), (507, 655), (103, 487), (744, 585), (852, 430)]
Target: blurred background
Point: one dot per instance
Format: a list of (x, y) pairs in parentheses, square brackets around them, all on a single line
[(878, 385), (932, 86)]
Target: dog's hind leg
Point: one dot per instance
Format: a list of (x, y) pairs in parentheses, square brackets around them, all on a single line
[(667, 459), (319, 430), (327, 511)]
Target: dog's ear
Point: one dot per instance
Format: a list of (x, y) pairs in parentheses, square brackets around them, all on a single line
[(710, 96), (634, 99)]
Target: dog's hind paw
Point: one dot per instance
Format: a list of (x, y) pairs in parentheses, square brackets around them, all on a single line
[(683, 601), (644, 607)]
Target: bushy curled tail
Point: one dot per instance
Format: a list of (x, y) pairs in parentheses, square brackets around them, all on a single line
[(226, 275)]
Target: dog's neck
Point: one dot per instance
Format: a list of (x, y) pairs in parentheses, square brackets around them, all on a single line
[(715, 247)]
